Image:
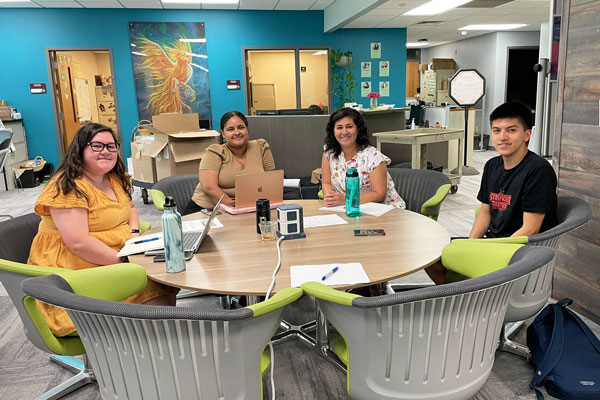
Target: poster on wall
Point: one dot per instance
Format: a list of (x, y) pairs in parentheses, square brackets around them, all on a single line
[(384, 68), (365, 88), (384, 88), (365, 69), (170, 67), (375, 50)]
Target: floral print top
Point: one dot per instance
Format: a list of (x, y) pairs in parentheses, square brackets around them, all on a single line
[(365, 161)]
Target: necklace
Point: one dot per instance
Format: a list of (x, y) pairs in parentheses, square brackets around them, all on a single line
[(100, 185)]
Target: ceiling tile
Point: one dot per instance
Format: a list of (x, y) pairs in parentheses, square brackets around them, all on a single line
[(321, 4), (294, 4), (59, 4), (20, 4), (100, 4), (257, 4)]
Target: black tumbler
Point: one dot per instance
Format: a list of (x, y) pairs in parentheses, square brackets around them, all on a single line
[(263, 212)]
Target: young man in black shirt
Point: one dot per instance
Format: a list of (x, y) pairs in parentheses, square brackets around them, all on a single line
[(518, 187)]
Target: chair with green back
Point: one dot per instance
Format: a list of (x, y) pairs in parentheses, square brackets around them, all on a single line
[(156, 352), (181, 188), (437, 342), (423, 190), (17, 235), (572, 212)]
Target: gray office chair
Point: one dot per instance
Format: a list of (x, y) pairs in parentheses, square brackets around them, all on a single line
[(5, 139), (17, 235), (432, 343), (181, 188), (422, 190), (533, 291), (152, 352)]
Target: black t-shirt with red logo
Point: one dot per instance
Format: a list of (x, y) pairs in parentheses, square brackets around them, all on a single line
[(528, 187)]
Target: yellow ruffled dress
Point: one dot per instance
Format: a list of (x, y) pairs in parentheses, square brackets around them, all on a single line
[(108, 220)]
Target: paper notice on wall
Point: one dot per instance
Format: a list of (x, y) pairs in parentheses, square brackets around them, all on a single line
[(384, 68), (375, 50), (365, 69), (365, 88), (384, 88)]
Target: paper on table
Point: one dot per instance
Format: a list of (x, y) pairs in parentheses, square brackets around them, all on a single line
[(199, 224), (374, 209), (132, 248), (323, 220), (347, 274)]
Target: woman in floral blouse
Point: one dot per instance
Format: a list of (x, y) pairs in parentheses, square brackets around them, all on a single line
[(347, 146)]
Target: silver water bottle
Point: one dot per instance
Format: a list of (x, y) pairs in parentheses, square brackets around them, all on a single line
[(173, 237)]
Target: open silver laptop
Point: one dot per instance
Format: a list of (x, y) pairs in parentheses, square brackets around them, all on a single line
[(193, 240)]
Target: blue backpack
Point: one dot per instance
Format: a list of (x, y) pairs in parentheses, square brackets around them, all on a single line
[(566, 354)]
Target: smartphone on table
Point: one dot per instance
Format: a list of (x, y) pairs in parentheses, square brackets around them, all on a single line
[(369, 232), (161, 257)]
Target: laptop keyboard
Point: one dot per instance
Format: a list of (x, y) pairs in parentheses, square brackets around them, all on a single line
[(190, 239)]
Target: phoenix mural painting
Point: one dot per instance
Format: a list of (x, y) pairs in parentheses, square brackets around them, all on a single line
[(170, 65)]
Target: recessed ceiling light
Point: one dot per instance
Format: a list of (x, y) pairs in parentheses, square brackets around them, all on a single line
[(491, 27), (435, 7), (463, 33), (417, 44), (201, 1)]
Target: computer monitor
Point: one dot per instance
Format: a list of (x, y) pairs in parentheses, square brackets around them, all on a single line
[(267, 112), (297, 111)]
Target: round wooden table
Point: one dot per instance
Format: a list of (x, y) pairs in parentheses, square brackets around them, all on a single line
[(235, 260)]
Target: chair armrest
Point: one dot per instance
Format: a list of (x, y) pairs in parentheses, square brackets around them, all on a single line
[(111, 282), (505, 240), (324, 292), (158, 198), (280, 300), (436, 199)]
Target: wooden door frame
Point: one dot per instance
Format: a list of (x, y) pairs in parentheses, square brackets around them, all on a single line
[(53, 83)]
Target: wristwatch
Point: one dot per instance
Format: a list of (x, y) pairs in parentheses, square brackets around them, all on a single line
[(135, 231)]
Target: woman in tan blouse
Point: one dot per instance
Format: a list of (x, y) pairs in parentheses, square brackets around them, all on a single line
[(222, 162)]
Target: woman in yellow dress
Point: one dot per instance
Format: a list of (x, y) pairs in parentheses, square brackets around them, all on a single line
[(87, 215)]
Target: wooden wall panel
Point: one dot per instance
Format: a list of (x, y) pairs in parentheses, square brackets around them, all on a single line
[(577, 153)]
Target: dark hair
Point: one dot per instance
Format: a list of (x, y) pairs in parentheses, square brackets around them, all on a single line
[(230, 114), (72, 166), (362, 137), (513, 109)]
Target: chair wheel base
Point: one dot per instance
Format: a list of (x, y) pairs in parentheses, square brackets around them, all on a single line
[(84, 376)]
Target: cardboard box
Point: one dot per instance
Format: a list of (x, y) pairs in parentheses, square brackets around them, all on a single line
[(143, 154), (315, 176), (181, 152), (176, 122), (175, 148), (5, 112), (443, 63)]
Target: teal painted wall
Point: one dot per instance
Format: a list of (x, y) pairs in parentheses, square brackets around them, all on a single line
[(28, 32)]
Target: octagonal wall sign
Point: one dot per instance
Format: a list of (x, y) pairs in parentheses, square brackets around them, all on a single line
[(466, 87)]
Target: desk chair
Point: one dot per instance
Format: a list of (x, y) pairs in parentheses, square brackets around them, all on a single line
[(17, 235), (572, 212), (423, 190), (180, 187), (437, 342), (5, 139), (152, 352)]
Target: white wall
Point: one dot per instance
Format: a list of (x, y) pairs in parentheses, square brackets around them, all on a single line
[(487, 54)]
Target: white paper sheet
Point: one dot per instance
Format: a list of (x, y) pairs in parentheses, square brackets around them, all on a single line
[(323, 220), (199, 224), (132, 248), (347, 274), (374, 209)]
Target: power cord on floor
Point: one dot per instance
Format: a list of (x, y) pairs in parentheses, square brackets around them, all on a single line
[(267, 298)]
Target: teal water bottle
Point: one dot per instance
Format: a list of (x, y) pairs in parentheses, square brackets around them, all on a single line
[(173, 237), (352, 193)]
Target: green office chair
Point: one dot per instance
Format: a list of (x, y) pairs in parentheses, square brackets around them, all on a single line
[(423, 190), (17, 235), (148, 352), (181, 188), (437, 342), (572, 212)]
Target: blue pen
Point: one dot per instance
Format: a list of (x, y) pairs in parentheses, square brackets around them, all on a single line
[(327, 275), (145, 240)]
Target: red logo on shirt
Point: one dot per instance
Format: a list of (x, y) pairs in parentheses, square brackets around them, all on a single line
[(500, 201)]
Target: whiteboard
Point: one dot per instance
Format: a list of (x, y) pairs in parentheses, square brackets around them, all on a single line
[(83, 99)]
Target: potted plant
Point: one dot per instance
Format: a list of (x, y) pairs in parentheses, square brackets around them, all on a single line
[(344, 82)]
